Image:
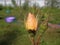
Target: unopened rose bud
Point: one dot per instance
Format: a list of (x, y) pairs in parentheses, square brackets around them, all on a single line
[(31, 22)]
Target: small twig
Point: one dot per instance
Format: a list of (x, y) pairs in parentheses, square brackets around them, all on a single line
[(32, 40), (38, 40)]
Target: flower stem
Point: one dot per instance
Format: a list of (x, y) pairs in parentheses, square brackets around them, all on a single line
[(38, 40), (32, 40)]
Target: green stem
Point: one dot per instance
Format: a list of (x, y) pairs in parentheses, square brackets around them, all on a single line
[(32, 40), (38, 40)]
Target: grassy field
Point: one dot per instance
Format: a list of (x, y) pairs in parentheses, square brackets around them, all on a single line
[(16, 34)]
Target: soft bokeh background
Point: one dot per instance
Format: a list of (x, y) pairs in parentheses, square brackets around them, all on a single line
[(15, 33)]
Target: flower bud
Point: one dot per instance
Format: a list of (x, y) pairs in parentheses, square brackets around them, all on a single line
[(31, 22)]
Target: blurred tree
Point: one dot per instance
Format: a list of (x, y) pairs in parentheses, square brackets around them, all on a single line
[(5, 2), (51, 3), (20, 2), (26, 5), (14, 3)]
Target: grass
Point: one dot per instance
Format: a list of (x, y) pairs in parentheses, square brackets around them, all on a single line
[(52, 37), (16, 34), (54, 14)]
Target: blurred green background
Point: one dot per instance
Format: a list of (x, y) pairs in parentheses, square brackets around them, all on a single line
[(16, 34)]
